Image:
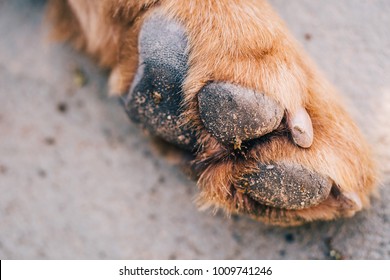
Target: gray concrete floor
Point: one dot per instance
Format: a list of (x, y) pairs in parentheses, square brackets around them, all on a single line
[(78, 180)]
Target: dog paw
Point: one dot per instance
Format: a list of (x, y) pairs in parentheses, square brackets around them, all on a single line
[(271, 138)]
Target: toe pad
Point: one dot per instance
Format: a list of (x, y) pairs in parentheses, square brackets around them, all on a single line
[(232, 113), (287, 186), (154, 100)]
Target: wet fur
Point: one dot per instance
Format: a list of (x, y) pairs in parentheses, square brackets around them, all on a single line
[(244, 43)]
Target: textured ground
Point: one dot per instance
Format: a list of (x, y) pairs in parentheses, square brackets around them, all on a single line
[(77, 180)]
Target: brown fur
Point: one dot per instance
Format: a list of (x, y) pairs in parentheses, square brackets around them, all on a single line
[(244, 43)]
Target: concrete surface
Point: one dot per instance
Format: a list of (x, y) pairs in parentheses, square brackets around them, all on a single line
[(77, 180)]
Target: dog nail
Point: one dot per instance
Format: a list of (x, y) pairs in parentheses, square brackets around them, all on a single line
[(301, 128), (354, 200)]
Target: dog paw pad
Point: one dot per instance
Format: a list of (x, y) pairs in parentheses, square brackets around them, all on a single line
[(155, 98), (232, 113), (287, 186)]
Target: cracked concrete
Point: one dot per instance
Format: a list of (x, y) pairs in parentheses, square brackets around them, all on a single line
[(78, 181)]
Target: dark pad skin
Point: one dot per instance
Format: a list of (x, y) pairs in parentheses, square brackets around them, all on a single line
[(155, 97), (229, 112), (234, 114), (287, 186)]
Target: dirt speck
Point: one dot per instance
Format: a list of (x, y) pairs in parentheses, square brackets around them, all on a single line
[(3, 169), (237, 237), (237, 143), (308, 36), (157, 97), (62, 107), (42, 173), (331, 252), (161, 179), (79, 77), (172, 256), (50, 141), (289, 237)]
